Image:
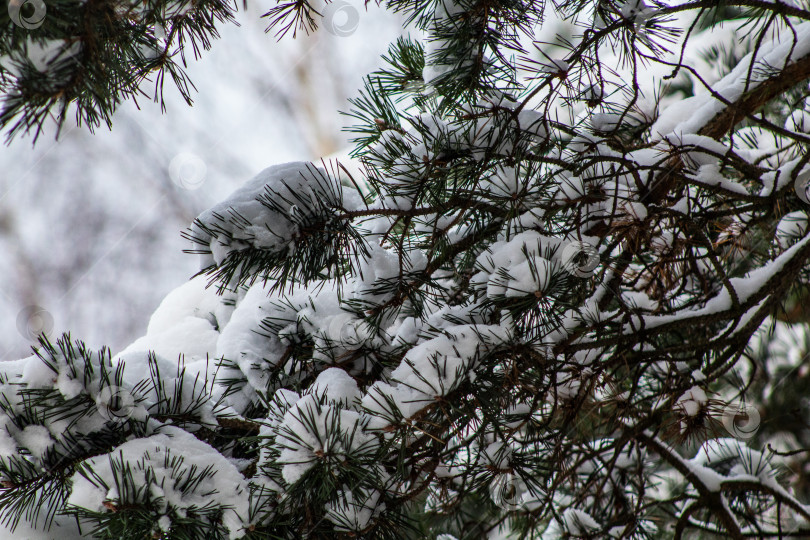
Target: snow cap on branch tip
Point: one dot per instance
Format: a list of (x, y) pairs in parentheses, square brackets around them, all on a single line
[(157, 462), (267, 211), (337, 386)]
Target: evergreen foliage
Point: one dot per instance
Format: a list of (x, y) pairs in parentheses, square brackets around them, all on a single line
[(562, 297)]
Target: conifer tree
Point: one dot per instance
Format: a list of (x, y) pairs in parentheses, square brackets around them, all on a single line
[(561, 296)]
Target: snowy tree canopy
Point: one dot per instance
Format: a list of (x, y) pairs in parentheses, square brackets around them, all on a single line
[(559, 293)]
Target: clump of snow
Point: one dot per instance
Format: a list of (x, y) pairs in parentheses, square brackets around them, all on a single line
[(733, 458), (314, 432), (692, 401), (689, 115), (35, 439), (523, 265), (353, 511), (386, 404), (337, 386), (434, 367), (792, 227), (799, 120), (264, 212), (578, 522), (160, 466), (254, 350), (186, 323)]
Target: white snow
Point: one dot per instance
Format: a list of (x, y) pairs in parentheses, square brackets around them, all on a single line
[(337, 386), (692, 401), (350, 512), (36, 439), (241, 220), (172, 455), (578, 522), (186, 322), (311, 432), (688, 116)]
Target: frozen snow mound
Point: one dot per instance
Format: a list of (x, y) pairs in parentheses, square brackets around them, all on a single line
[(274, 216)]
